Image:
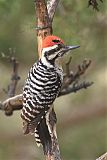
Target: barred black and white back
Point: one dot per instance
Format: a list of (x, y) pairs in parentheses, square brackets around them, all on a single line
[(41, 89)]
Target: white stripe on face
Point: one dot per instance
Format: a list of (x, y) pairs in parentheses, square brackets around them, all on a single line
[(49, 57)]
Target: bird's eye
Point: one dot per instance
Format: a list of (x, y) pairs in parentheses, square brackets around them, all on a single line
[(56, 40)]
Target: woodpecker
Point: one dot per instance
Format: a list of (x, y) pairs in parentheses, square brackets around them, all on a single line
[(41, 88)]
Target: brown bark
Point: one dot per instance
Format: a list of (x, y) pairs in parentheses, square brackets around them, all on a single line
[(11, 104), (44, 27)]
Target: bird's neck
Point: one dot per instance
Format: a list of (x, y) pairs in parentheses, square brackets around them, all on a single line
[(47, 63)]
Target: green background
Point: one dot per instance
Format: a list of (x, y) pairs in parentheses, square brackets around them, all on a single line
[(77, 24)]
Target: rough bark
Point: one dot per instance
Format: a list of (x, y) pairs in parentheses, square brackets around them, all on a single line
[(11, 104), (44, 27), (51, 7)]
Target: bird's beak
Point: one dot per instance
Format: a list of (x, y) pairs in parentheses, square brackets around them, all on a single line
[(68, 48)]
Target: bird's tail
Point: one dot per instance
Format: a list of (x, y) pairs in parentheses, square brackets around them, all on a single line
[(40, 129), (41, 133), (43, 137)]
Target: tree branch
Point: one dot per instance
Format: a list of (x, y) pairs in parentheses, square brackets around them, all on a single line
[(14, 76), (51, 7), (44, 26), (11, 104), (75, 87), (103, 157), (71, 80)]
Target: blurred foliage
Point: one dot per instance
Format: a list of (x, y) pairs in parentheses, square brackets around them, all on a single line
[(80, 142), (81, 25), (76, 24)]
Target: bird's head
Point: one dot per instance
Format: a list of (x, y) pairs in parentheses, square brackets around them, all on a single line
[(53, 47)]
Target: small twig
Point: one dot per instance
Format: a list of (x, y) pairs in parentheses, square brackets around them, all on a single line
[(68, 80), (75, 87), (14, 77), (81, 69)]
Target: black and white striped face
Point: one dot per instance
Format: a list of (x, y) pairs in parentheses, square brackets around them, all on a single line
[(52, 53)]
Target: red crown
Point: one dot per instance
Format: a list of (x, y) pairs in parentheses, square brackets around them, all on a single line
[(51, 41)]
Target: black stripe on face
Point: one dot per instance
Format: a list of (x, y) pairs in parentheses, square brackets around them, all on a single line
[(50, 52)]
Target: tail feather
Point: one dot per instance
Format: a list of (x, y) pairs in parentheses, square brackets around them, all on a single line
[(37, 138), (30, 126), (39, 128), (42, 134)]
